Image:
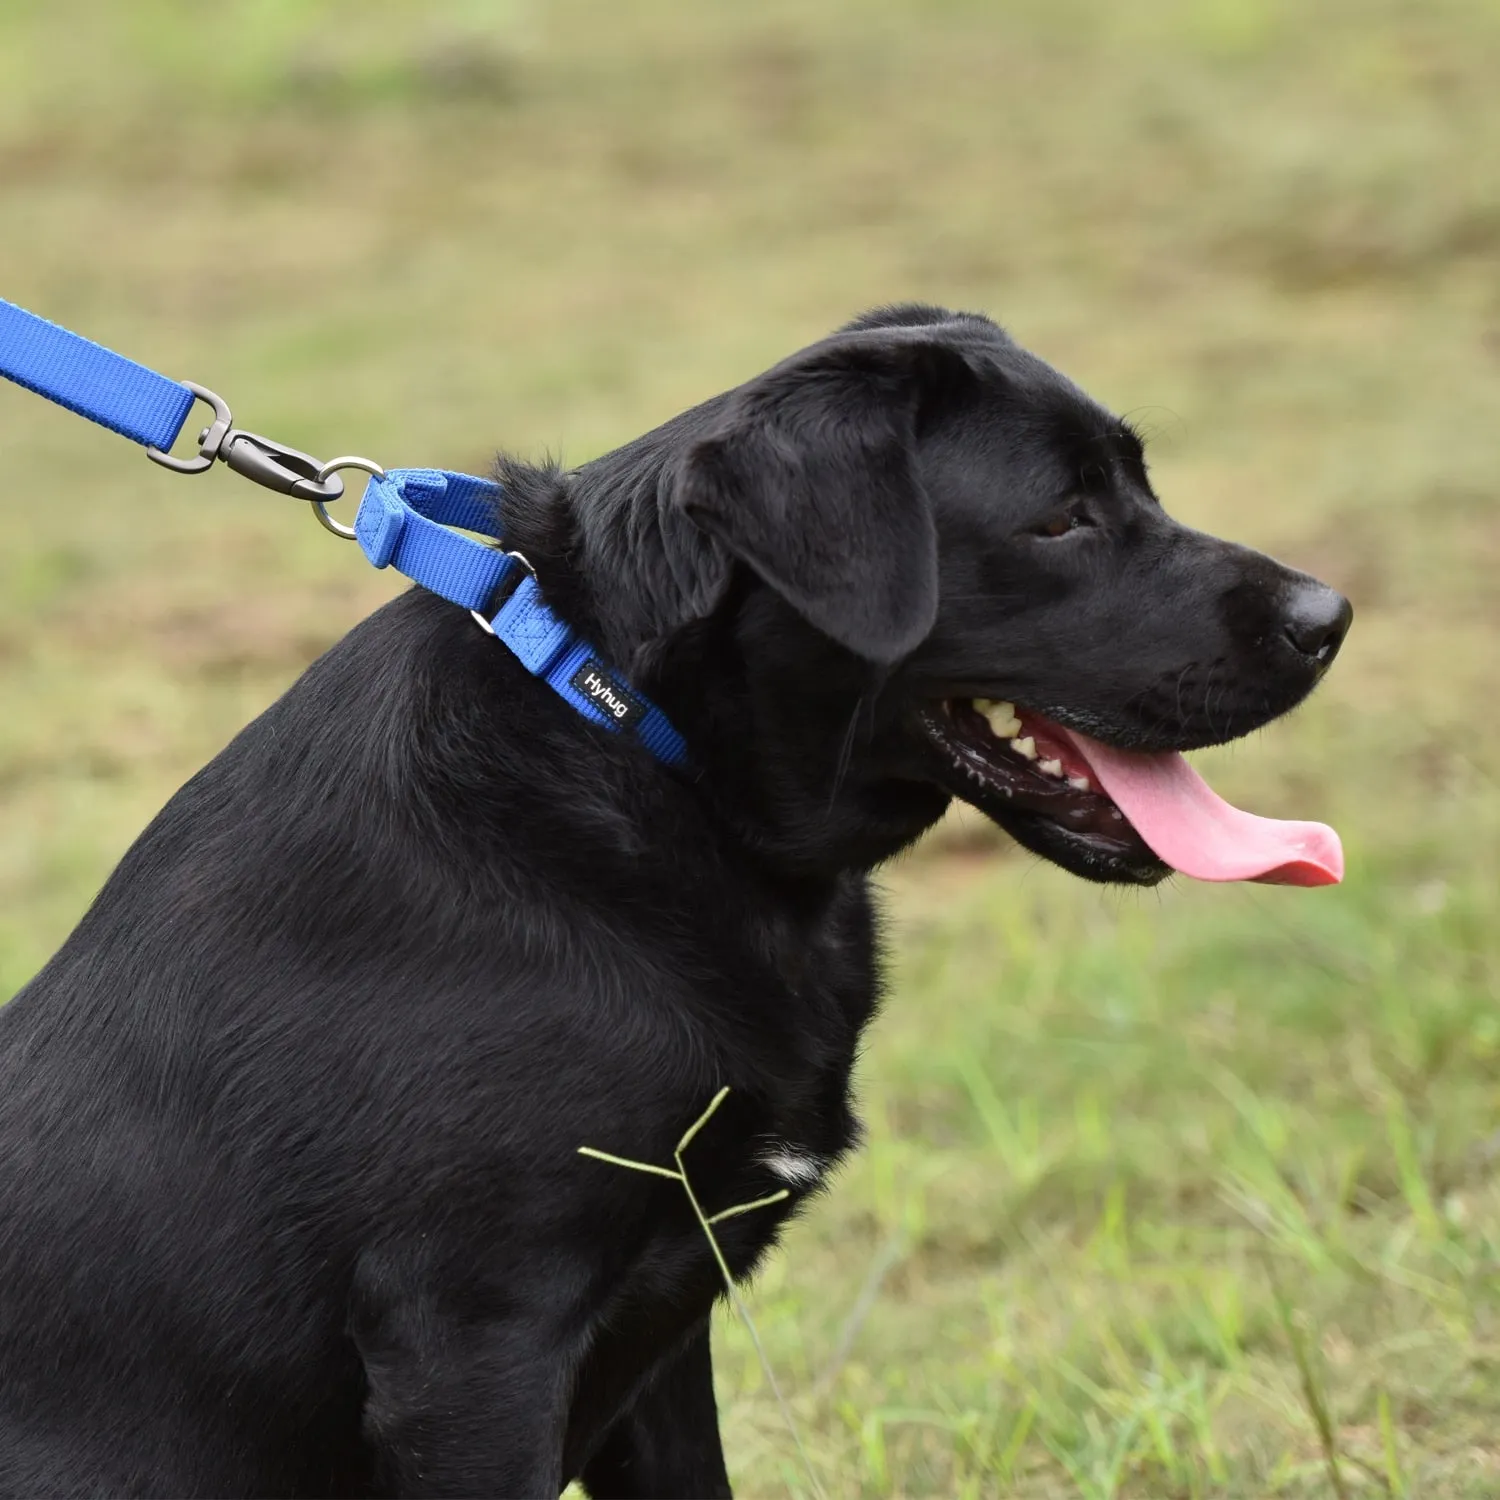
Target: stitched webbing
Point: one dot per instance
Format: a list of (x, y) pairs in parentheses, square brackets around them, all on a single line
[(91, 380), (405, 522)]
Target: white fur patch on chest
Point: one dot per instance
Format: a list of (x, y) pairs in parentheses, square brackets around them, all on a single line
[(800, 1168)]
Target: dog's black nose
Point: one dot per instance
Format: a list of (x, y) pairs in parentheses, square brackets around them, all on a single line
[(1317, 619)]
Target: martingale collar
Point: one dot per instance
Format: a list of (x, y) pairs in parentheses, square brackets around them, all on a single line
[(405, 521)]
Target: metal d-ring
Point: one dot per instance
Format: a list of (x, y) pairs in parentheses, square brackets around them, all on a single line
[(320, 507), (208, 440), (481, 620)]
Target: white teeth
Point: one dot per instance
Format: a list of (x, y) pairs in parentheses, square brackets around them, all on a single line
[(1000, 716), (1026, 747), (1050, 767), (1080, 783)]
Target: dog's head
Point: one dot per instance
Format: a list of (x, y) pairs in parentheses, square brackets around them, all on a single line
[(914, 561)]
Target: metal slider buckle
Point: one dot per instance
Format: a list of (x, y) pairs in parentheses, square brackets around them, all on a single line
[(483, 619)]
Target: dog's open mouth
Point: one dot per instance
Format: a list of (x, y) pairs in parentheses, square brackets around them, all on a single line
[(1124, 814)]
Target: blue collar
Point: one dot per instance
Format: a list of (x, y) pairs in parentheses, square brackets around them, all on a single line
[(403, 521)]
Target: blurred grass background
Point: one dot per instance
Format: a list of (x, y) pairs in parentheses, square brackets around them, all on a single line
[(1190, 1193)]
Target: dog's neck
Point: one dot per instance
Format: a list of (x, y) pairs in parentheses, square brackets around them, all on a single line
[(778, 718)]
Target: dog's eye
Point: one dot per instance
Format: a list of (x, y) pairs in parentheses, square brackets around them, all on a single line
[(1074, 518)]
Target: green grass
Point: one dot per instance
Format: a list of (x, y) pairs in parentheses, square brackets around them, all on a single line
[(1103, 1135), (1191, 1193)]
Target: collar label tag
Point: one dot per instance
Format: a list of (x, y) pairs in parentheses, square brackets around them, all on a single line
[(616, 703)]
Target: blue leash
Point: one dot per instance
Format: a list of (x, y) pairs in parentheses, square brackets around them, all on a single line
[(405, 520)]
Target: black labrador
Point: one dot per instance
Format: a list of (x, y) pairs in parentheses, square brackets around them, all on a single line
[(291, 1201)]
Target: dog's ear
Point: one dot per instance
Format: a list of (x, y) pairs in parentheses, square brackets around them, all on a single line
[(810, 479)]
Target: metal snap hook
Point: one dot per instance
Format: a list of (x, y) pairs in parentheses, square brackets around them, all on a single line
[(319, 503), (279, 468)]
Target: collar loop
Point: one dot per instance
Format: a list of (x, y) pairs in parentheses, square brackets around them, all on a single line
[(406, 521)]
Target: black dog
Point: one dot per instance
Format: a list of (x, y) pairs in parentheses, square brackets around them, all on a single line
[(291, 1200)]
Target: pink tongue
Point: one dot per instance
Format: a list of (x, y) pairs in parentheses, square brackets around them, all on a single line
[(1195, 831)]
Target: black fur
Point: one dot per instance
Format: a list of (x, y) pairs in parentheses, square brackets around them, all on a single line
[(290, 1200)]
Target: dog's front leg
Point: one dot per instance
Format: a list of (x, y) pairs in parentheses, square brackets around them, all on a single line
[(665, 1445), (462, 1397)]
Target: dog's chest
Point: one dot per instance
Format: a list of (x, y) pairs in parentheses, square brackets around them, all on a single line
[(775, 1001), (789, 1118), (818, 992), (771, 1006)]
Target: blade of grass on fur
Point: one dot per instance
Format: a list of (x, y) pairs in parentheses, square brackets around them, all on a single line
[(635, 1166), (706, 1224), (744, 1208)]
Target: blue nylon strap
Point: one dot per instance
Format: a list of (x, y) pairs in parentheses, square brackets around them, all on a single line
[(552, 650), (405, 522), (93, 381)]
